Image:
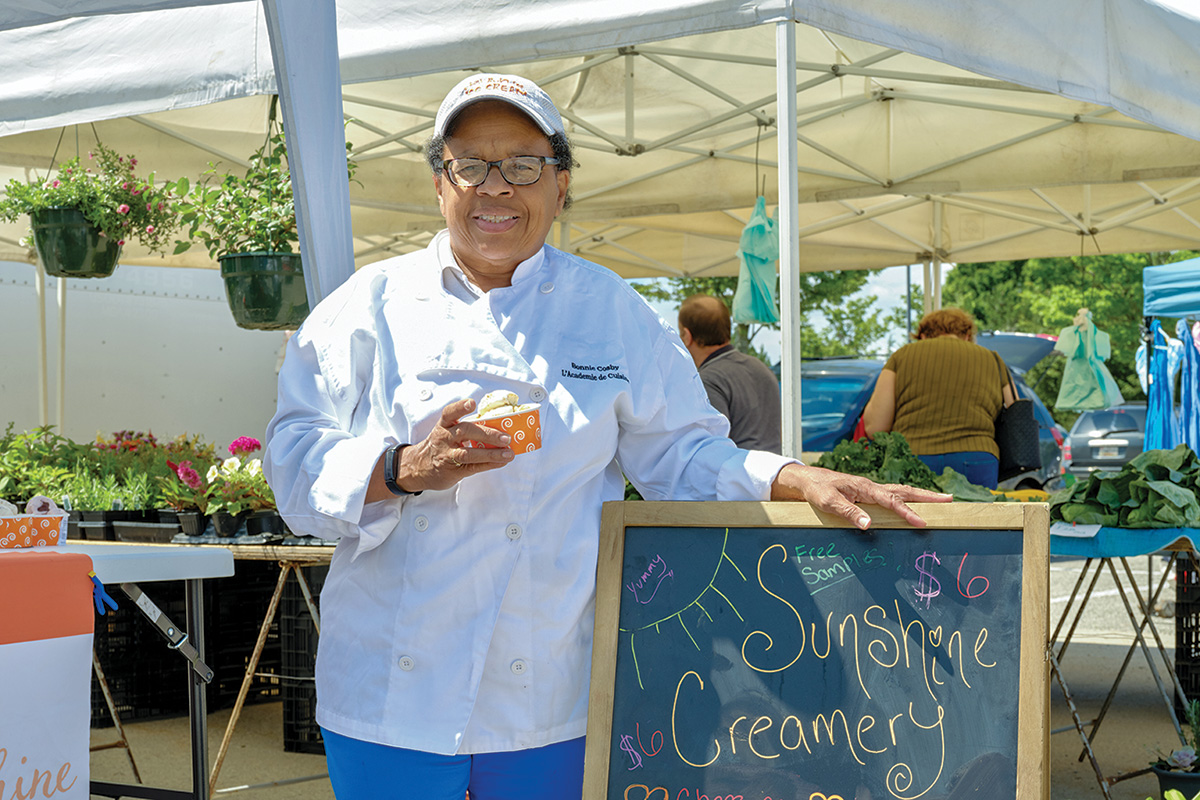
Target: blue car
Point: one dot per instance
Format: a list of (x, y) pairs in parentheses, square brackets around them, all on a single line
[(834, 392)]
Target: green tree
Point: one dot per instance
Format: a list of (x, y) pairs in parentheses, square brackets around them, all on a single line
[(1042, 295), (853, 324)]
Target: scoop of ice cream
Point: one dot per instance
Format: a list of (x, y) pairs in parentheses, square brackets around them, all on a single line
[(7, 509), (40, 504), (500, 400)]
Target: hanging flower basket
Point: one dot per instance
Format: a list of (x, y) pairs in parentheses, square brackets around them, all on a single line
[(266, 291), (71, 247)]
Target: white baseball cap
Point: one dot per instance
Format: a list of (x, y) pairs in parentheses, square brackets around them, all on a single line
[(520, 92)]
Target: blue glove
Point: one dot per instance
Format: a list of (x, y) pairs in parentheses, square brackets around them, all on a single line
[(100, 596)]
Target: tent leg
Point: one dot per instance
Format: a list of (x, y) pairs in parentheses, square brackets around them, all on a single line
[(39, 282), (62, 354), (789, 234), (927, 305)]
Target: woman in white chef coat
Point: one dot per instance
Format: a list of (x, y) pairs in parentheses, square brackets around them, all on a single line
[(456, 643)]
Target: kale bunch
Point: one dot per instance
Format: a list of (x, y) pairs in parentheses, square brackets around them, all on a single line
[(1156, 489), (886, 458)]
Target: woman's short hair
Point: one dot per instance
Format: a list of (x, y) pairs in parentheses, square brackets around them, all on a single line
[(946, 321)]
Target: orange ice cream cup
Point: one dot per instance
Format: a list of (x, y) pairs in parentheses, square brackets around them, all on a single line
[(32, 530), (525, 428)]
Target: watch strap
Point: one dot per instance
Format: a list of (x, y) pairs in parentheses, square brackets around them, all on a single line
[(391, 458)]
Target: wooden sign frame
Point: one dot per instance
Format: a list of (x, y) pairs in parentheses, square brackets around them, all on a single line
[(1032, 757)]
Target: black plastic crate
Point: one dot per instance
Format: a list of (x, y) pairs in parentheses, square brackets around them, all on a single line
[(234, 608), (298, 646), (1187, 629), (148, 680)]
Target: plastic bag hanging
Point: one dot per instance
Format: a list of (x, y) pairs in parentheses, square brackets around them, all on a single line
[(1086, 382), (1162, 425), (758, 250), (1189, 387)]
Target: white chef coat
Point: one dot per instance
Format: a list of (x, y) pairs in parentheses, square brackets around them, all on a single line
[(460, 621)]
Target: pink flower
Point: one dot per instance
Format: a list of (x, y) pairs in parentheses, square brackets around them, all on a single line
[(125, 185), (137, 191), (148, 207), (123, 209), (56, 184), (149, 229), (243, 445), (121, 242), (133, 162), (160, 206), (189, 475)]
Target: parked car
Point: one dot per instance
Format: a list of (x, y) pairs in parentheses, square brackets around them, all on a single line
[(834, 392), (1106, 438)]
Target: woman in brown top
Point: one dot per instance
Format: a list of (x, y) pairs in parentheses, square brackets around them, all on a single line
[(943, 392)]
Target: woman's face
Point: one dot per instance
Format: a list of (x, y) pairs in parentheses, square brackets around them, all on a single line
[(495, 226)]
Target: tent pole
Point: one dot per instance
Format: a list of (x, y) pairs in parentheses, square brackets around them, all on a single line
[(789, 238), (39, 282), (304, 51), (936, 258), (62, 353), (908, 294), (927, 305)]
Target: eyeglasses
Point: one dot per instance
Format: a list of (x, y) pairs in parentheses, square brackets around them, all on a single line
[(517, 170)]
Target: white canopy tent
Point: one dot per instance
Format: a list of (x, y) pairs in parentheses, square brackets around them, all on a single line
[(899, 158)]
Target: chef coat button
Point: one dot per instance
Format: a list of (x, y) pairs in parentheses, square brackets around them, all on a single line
[(513, 531), (421, 523), (426, 394), (518, 667), (547, 287), (537, 394), (406, 663)]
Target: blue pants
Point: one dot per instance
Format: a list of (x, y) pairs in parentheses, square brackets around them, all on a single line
[(362, 770), (978, 466)]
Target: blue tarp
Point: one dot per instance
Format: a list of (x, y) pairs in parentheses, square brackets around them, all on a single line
[(1172, 290)]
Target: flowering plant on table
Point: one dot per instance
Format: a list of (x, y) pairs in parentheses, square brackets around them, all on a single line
[(237, 484)]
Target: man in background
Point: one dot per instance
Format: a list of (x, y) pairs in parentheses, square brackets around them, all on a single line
[(739, 386)]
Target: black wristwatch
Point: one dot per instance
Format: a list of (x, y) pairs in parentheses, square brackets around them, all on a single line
[(390, 458)]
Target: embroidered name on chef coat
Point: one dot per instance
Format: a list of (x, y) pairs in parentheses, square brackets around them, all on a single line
[(595, 372)]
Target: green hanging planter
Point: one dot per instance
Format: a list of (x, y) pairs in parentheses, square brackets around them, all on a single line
[(265, 290), (71, 247)]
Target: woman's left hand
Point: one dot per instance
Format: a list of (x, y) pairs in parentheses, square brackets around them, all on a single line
[(838, 493)]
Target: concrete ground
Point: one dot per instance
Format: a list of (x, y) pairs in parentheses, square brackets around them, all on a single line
[(1134, 728)]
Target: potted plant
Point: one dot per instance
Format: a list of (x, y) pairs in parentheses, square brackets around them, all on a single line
[(248, 224), (1180, 771), (37, 461), (82, 216), (183, 489), (236, 487)]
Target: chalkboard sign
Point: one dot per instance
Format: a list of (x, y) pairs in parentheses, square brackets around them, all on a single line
[(760, 651)]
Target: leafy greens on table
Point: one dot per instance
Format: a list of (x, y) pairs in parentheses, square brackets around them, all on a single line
[(1156, 489)]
